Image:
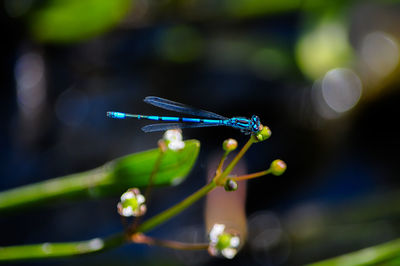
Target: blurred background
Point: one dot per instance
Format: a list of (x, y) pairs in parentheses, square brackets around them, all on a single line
[(324, 76)]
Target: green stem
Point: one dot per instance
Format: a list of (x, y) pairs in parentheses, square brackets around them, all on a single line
[(220, 179), (174, 210), (371, 256), (221, 163), (250, 176), (57, 250)]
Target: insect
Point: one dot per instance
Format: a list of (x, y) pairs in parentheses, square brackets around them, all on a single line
[(209, 119)]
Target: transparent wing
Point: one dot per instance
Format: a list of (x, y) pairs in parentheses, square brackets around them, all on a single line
[(167, 126), (181, 108)]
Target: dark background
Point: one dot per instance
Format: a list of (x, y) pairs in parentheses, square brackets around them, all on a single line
[(232, 58)]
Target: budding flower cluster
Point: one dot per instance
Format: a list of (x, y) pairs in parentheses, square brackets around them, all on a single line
[(223, 243), (132, 203)]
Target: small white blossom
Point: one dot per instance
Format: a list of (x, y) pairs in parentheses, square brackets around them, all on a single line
[(229, 253), (216, 230), (132, 203), (173, 138), (222, 242)]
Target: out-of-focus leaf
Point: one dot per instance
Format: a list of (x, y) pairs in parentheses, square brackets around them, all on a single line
[(75, 20), (134, 170), (382, 254), (57, 250), (110, 179)]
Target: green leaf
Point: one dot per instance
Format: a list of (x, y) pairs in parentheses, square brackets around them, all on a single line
[(379, 254), (113, 178), (76, 20), (58, 250), (134, 170)]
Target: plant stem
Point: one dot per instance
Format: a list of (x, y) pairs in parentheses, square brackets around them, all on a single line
[(140, 238), (46, 250), (219, 179), (250, 176), (174, 210), (153, 174), (221, 163)]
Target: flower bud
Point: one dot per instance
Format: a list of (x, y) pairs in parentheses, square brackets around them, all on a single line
[(263, 134), (230, 145), (132, 203), (278, 167), (230, 185)]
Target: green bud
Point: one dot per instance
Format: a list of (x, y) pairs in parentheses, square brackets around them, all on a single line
[(224, 241), (263, 134), (132, 202), (230, 185), (229, 145), (278, 167)]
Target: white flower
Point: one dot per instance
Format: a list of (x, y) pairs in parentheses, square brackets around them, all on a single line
[(223, 243), (132, 203), (173, 138)]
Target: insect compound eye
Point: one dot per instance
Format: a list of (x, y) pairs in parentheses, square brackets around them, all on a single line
[(255, 119), (255, 122)]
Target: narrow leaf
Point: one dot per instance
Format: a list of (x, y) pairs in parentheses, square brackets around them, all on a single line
[(110, 179)]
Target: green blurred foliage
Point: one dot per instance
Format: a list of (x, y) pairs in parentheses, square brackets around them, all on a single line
[(383, 254), (74, 20), (180, 44), (243, 8), (271, 62), (323, 46)]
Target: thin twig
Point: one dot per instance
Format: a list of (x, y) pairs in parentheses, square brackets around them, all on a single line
[(161, 146), (143, 239), (250, 176), (221, 163), (220, 179)]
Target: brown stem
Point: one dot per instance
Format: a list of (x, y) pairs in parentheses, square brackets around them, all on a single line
[(162, 148), (143, 239)]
